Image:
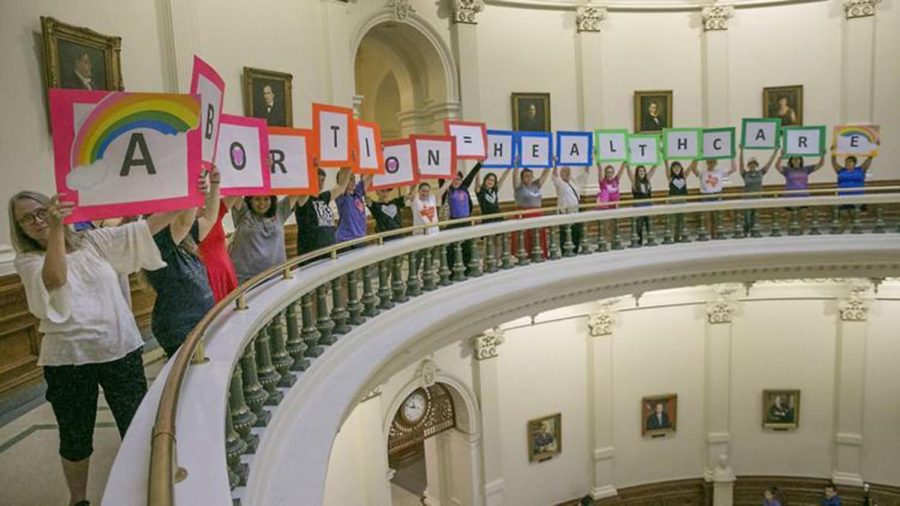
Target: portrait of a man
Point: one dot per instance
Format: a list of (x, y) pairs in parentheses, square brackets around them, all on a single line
[(267, 95), (544, 437), (659, 415), (80, 58), (785, 103), (652, 111), (531, 112), (781, 409)]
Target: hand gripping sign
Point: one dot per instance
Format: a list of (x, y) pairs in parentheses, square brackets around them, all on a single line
[(123, 154)]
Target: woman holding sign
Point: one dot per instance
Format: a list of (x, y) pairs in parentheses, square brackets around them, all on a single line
[(850, 176), (529, 198), (488, 193), (608, 182), (258, 242), (641, 190), (90, 336), (796, 175), (677, 177)]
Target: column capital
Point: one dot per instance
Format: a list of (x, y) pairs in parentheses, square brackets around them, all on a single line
[(486, 344), (601, 322), (402, 9), (720, 311), (854, 308), (588, 17), (464, 11), (715, 17), (860, 8)]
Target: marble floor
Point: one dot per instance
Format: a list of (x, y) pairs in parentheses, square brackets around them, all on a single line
[(30, 471), (402, 497)]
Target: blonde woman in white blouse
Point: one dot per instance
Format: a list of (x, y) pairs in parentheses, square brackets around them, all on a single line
[(90, 336)]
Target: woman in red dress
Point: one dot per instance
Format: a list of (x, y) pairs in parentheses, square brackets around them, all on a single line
[(212, 249)]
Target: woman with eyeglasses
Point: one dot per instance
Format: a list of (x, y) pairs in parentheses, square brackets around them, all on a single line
[(90, 337)]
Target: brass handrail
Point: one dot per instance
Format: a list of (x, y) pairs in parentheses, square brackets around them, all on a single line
[(163, 473)]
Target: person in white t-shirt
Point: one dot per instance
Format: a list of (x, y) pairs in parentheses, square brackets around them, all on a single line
[(713, 178), (568, 199), (424, 207)]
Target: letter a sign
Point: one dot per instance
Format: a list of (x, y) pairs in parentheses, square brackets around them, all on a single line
[(124, 154)]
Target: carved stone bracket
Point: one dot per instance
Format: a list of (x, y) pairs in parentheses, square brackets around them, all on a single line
[(721, 309), (375, 392), (402, 9), (860, 8), (464, 11), (428, 372), (487, 343), (715, 17), (855, 308), (588, 17)]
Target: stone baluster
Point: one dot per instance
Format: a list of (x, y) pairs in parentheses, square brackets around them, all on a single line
[(537, 254), (555, 252), (702, 232), (814, 221), (651, 235), (776, 224), (413, 283), (835, 227), (601, 240), (855, 223), (241, 415), (490, 258), (459, 268), (614, 238), (324, 323), (281, 359), (254, 393), (505, 252), (398, 287), (444, 271), (354, 303), (309, 332), (521, 252), (339, 314), (879, 227), (474, 267), (794, 225), (234, 448), (385, 296), (633, 233), (295, 345), (370, 299), (429, 276), (268, 376)]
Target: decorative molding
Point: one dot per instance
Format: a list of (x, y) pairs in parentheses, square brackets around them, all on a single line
[(718, 437), (428, 372), (401, 9), (601, 322), (723, 472), (849, 438), (486, 344), (375, 392), (604, 453), (715, 17), (853, 308), (464, 11), (860, 8), (494, 487), (720, 311), (845, 478), (588, 17), (603, 492)]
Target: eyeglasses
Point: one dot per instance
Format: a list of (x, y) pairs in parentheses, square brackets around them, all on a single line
[(31, 218)]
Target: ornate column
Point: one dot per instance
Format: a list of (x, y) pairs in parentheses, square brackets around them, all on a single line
[(858, 64), (181, 26), (718, 394), (464, 35), (600, 400), (486, 388), (339, 63), (370, 408), (588, 19), (715, 64), (850, 380)]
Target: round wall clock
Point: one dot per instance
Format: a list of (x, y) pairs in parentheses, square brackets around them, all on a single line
[(414, 407)]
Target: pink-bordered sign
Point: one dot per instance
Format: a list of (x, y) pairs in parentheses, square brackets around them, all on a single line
[(207, 83), (398, 166), (471, 138), (125, 154), (242, 156)]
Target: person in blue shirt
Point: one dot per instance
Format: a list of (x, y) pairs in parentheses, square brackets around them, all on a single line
[(831, 496), (850, 175)]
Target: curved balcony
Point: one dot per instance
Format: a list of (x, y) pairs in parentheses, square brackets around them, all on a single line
[(262, 385)]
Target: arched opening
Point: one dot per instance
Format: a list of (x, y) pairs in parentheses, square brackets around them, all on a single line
[(430, 447), (402, 82)]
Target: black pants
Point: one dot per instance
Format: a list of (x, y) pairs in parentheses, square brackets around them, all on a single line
[(72, 392), (466, 249)]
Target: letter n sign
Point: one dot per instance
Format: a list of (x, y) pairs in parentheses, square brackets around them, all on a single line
[(331, 125)]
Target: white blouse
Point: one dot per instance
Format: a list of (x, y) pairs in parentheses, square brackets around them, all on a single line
[(88, 320)]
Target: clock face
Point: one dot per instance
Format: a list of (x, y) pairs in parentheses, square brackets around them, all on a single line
[(414, 407)]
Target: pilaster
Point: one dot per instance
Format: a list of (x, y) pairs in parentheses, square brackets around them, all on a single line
[(485, 353), (601, 325)]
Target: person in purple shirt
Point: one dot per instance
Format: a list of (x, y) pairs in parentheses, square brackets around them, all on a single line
[(796, 175), (351, 207), (459, 202)]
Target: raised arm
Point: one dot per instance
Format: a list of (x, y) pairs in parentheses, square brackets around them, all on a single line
[(340, 186), (779, 161), (517, 180), (543, 179), (768, 164), (442, 190), (55, 271), (668, 167), (835, 166), (692, 168), (630, 174), (820, 164), (621, 169), (467, 181), (650, 172), (733, 168), (866, 163), (210, 215), (741, 166)]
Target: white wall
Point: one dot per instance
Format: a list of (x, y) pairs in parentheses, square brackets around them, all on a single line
[(783, 336)]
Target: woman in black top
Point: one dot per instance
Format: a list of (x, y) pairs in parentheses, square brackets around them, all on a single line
[(488, 193), (315, 218), (677, 177), (386, 211), (641, 190)]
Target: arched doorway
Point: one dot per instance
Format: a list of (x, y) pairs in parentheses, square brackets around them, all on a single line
[(405, 78), (433, 446)]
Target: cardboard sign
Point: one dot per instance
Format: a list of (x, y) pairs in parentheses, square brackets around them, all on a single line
[(681, 143), (643, 149), (471, 139), (501, 149), (761, 133), (366, 145), (434, 156), (575, 149), (804, 141), (124, 154), (856, 140), (207, 83), (535, 150), (332, 127), (718, 143), (242, 156), (291, 167), (611, 146), (398, 166)]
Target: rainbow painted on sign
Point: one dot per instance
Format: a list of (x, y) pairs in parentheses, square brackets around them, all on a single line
[(123, 112), (870, 134)]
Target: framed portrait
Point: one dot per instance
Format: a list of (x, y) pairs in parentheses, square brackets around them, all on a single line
[(784, 103), (659, 415), (781, 409), (652, 111), (267, 95), (544, 438), (80, 58), (531, 112)]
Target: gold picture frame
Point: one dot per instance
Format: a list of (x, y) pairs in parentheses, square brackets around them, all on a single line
[(656, 422), (531, 112), (781, 409), (68, 48), (281, 112), (792, 115), (544, 437), (644, 119)]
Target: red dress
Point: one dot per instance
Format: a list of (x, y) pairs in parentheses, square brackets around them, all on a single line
[(219, 269)]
